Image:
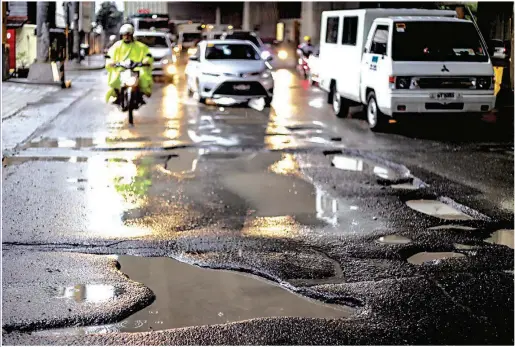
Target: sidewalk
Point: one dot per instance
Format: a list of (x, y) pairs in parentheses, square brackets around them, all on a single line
[(92, 62), (16, 96)]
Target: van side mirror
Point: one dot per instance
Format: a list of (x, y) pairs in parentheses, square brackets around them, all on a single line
[(365, 50)]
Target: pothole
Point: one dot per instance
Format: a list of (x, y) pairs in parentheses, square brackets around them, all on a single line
[(394, 240), (437, 209), (187, 295), (348, 163), (432, 258), (501, 237)]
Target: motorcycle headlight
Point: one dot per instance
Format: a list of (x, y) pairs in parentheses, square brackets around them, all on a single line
[(265, 74), (131, 81), (176, 49)]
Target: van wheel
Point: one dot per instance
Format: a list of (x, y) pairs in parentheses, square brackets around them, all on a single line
[(375, 118), (340, 104)]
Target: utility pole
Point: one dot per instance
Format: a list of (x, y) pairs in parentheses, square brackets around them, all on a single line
[(75, 30)]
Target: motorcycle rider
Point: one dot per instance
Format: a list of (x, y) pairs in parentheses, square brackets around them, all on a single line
[(128, 48), (306, 48)]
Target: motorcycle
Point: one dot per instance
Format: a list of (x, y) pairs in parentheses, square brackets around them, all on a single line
[(131, 98), (302, 64)]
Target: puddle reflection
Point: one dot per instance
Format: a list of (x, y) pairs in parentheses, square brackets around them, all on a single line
[(502, 237), (394, 240), (362, 165), (89, 293), (432, 258), (437, 209)]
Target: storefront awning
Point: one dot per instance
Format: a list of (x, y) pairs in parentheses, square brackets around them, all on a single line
[(15, 22)]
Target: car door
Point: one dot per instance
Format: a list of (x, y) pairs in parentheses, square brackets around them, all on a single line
[(376, 63)]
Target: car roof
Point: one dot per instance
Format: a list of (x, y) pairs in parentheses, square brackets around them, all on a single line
[(428, 19), (227, 42)]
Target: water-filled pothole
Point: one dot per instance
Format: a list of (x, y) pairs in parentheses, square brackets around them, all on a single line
[(432, 258), (394, 240), (502, 237), (437, 209), (187, 295)]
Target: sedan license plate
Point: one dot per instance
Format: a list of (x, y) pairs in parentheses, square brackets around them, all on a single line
[(241, 87), (443, 96)]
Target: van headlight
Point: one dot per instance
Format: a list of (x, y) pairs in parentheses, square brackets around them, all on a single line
[(484, 82)]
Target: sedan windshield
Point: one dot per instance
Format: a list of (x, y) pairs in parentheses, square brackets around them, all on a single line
[(153, 41), (231, 51), (437, 41), (243, 36)]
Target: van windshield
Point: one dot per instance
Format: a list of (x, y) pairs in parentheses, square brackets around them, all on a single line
[(437, 41)]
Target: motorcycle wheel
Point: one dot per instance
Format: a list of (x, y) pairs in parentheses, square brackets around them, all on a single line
[(130, 107)]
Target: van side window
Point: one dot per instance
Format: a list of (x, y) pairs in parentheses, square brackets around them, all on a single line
[(380, 40), (331, 30), (350, 31)]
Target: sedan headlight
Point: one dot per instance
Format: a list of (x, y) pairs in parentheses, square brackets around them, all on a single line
[(176, 49), (192, 51), (266, 74), (265, 55), (165, 61), (171, 70), (282, 54)]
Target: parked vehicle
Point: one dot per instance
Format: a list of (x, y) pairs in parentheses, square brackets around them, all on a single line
[(229, 68), (132, 98), (161, 48), (399, 61), (497, 49)]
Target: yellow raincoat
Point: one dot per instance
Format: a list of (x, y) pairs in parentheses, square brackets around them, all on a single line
[(135, 51)]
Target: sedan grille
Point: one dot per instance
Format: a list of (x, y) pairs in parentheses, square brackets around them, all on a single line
[(240, 88)]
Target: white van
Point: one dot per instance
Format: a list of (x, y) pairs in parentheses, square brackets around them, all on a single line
[(399, 61)]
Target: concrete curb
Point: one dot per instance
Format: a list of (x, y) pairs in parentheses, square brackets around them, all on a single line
[(85, 68), (25, 81)]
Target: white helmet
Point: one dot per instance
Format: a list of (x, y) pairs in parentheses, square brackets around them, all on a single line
[(127, 29)]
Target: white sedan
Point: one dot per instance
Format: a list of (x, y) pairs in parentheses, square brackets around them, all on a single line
[(229, 69)]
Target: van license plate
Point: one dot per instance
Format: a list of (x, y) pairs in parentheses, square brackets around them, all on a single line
[(443, 96)]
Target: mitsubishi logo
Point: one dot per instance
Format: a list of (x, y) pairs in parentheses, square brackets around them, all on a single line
[(445, 69)]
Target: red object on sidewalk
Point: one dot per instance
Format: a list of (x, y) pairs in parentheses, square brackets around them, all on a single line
[(11, 40)]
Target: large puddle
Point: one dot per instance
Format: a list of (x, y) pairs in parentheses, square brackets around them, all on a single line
[(437, 209), (187, 295)]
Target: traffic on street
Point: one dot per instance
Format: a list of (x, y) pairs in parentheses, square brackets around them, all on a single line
[(227, 189)]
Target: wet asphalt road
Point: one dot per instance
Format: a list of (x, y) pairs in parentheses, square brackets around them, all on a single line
[(288, 193)]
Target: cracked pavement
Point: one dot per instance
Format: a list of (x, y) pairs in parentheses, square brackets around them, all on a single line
[(290, 194)]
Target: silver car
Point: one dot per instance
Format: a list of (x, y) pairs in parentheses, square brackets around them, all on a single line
[(161, 48), (229, 69)]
